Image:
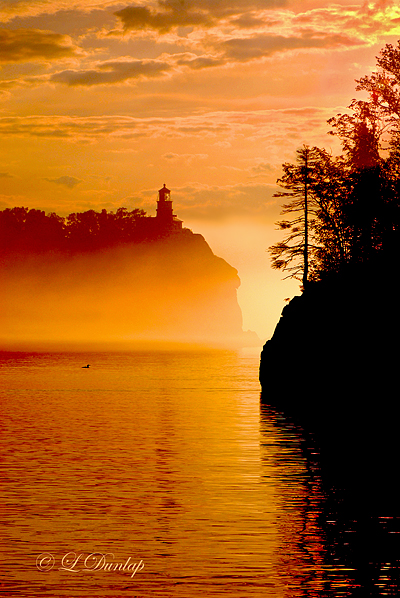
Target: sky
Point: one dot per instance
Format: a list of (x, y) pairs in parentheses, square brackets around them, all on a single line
[(102, 102)]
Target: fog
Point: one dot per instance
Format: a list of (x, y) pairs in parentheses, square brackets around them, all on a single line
[(172, 290), (244, 244)]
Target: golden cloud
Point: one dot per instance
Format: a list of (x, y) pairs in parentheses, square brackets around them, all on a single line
[(170, 14), (225, 51), (184, 158), (118, 71), (25, 45), (141, 17), (66, 181), (10, 9), (112, 71), (255, 123), (248, 30), (242, 49)]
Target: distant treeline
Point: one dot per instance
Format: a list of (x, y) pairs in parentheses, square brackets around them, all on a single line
[(345, 210), (25, 231)]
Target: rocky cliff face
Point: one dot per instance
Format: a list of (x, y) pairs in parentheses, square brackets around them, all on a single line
[(332, 366), (168, 289), (336, 341)]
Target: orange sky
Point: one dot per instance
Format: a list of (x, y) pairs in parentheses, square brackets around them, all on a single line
[(101, 102)]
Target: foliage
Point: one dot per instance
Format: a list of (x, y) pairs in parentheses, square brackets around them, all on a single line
[(319, 177), (354, 199), (24, 230), (292, 253)]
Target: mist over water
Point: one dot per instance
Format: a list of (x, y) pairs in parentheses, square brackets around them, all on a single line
[(173, 289)]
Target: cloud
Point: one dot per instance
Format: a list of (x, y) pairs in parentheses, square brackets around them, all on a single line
[(331, 26), (223, 127), (10, 9), (6, 175), (248, 21), (248, 30), (140, 17), (66, 181), (245, 30), (121, 70), (378, 5), (195, 13), (262, 168), (94, 128), (184, 158), (228, 32), (258, 46), (112, 71), (223, 144), (25, 45), (197, 62)]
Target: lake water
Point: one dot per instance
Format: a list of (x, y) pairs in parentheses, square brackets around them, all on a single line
[(158, 474)]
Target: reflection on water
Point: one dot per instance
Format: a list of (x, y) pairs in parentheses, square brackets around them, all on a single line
[(299, 554), (166, 459), (352, 549)]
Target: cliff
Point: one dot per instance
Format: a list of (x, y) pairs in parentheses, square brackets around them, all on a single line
[(167, 289), (332, 366)]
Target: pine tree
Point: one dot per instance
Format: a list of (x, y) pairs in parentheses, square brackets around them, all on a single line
[(316, 239)]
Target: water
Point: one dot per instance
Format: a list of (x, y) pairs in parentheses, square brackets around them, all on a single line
[(158, 474)]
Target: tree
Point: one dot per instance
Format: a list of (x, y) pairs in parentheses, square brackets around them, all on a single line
[(316, 237), (347, 209), (292, 254), (25, 231), (330, 188), (382, 190), (370, 139)]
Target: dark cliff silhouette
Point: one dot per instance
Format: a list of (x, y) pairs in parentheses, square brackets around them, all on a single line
[(122, 277), (332, 366)]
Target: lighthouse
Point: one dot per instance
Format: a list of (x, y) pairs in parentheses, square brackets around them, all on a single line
[(164, 206), (165, 217)]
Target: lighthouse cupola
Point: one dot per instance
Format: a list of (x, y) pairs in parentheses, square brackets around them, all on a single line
[(164, 194), (165, 219), (164, 206)]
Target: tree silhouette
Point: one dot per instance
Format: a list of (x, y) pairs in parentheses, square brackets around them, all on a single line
[(361, 133), (353, 200), (316, 238), (28, 231), (292, 254)]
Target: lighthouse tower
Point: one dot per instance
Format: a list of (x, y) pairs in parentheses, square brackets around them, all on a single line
[(165, 217), (164, 206)]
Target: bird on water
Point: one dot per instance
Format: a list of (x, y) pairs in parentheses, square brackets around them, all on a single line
[(86, 366)]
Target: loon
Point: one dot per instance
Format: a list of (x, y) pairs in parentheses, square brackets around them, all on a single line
[(86, 366)]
